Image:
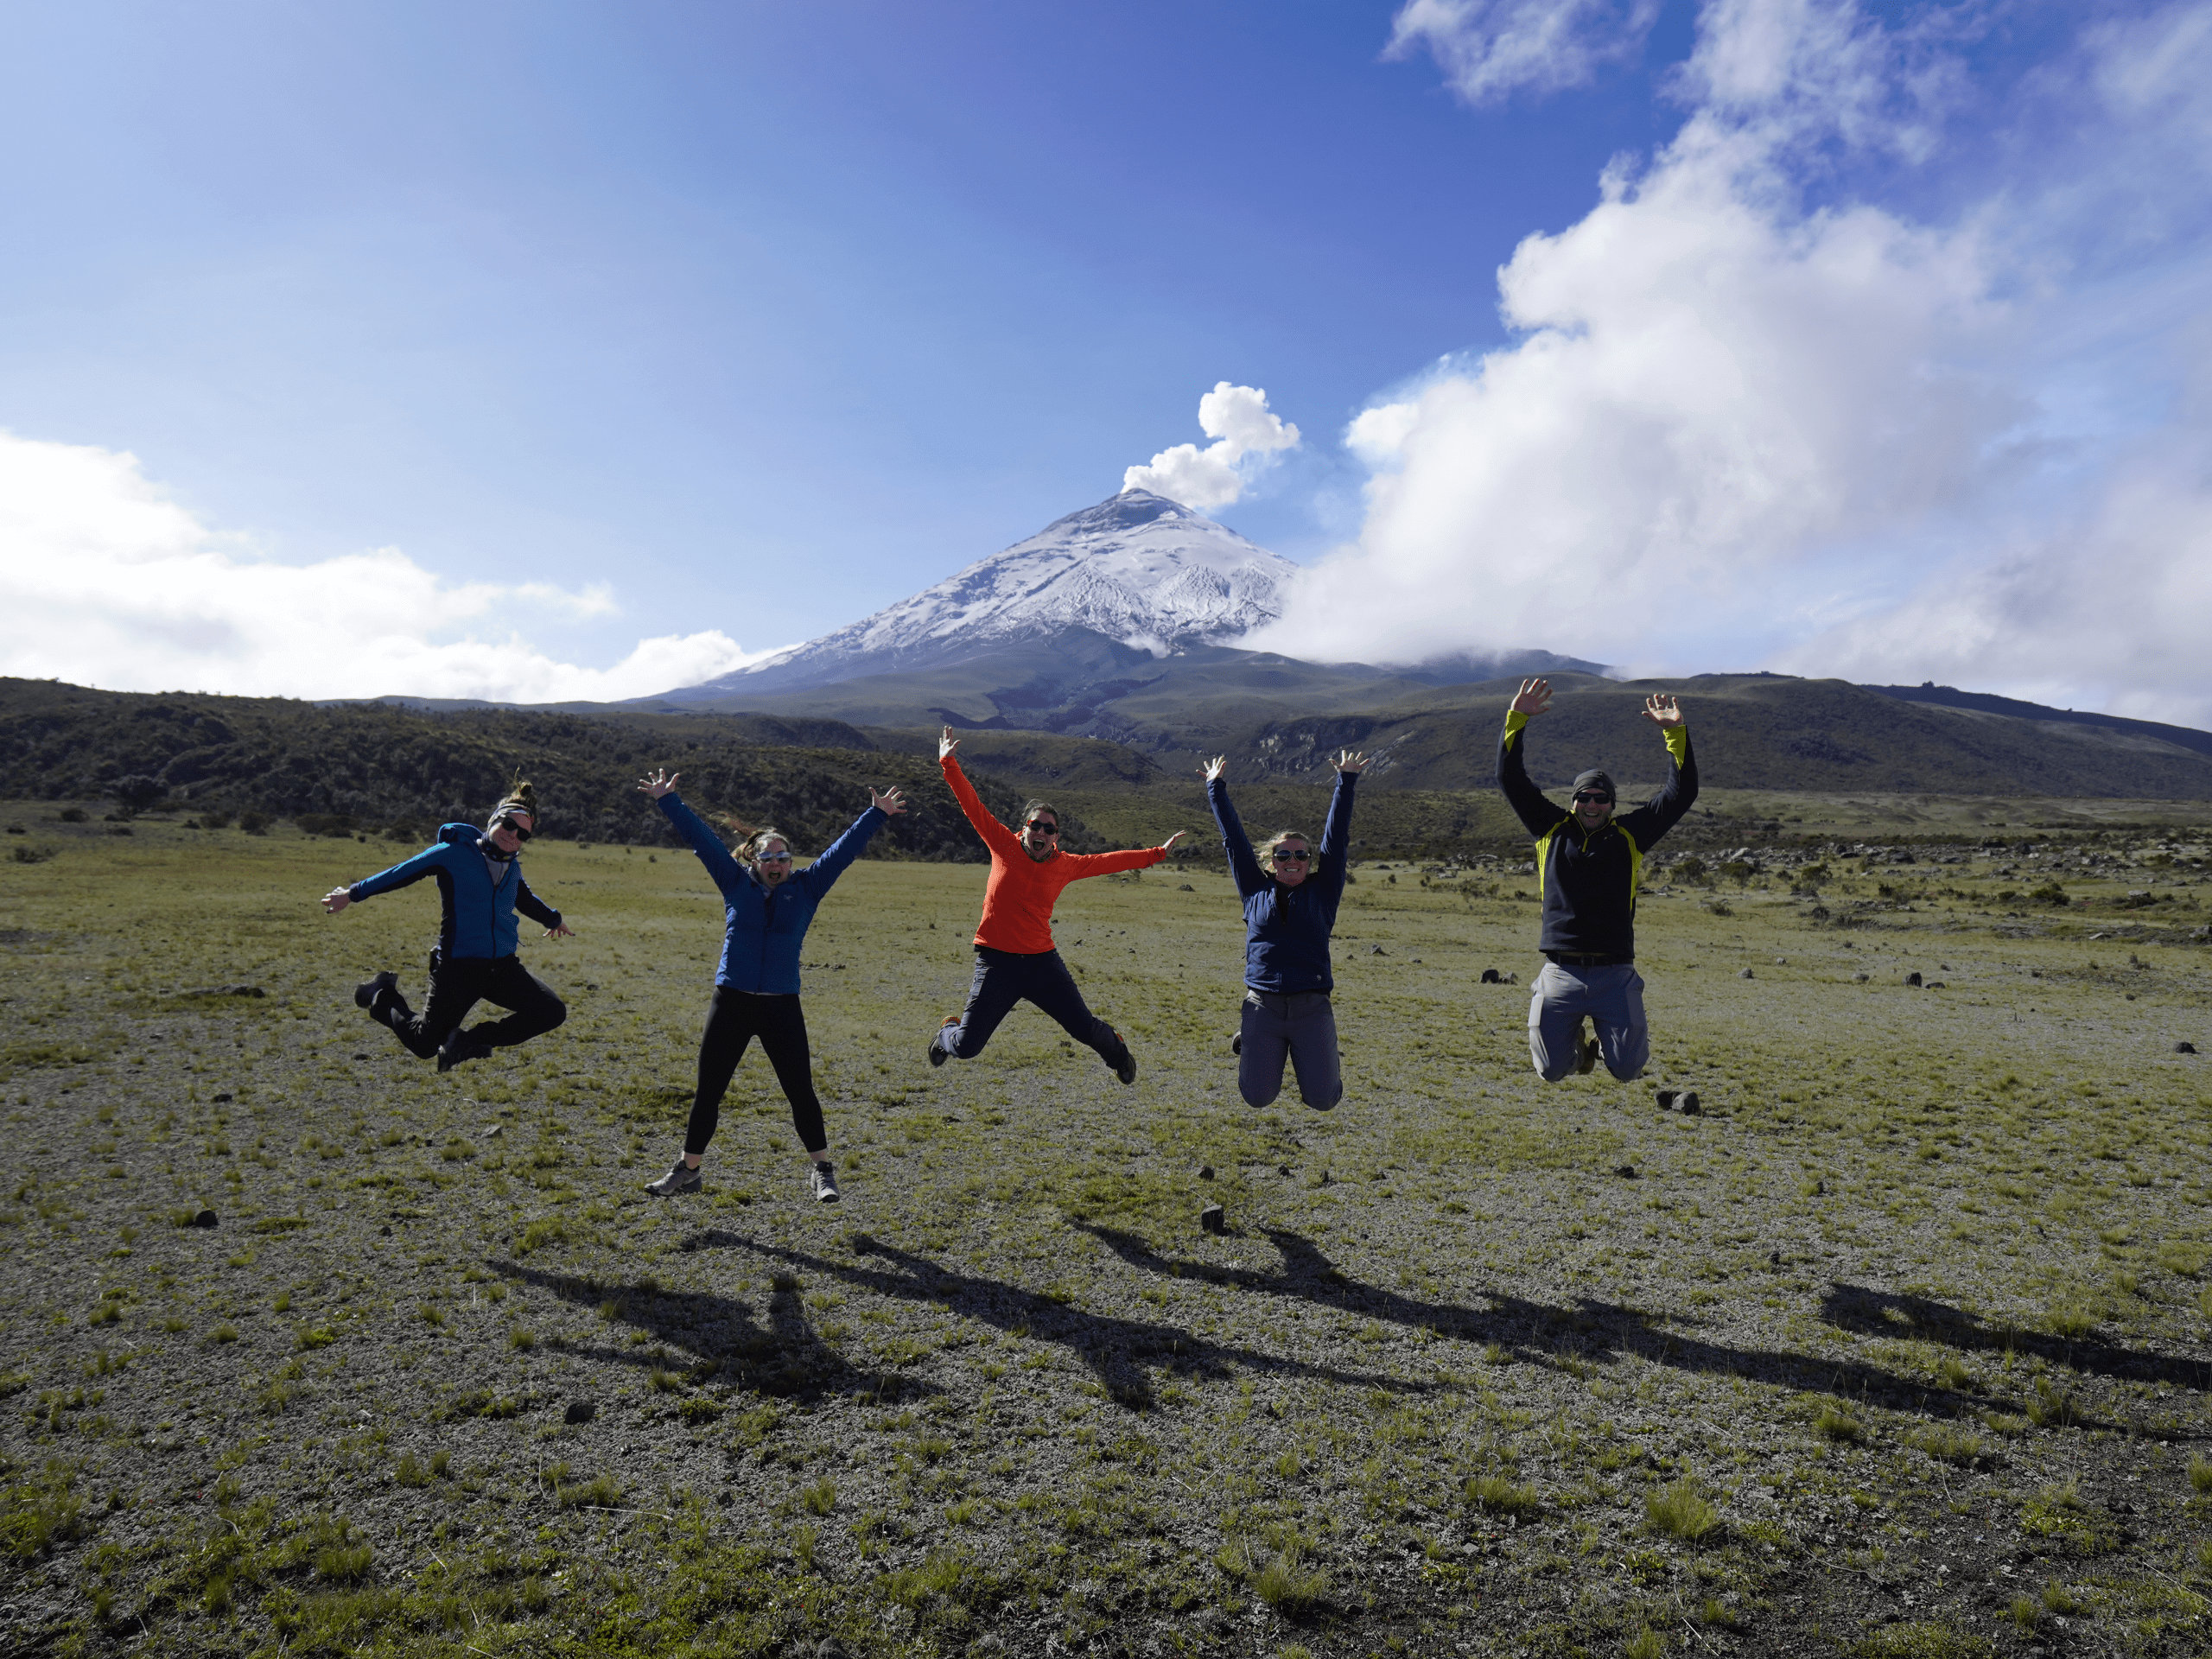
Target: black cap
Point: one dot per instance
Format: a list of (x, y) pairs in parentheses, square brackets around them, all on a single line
[(1594, 779)]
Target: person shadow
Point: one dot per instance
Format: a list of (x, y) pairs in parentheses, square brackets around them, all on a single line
[(1591, 1330), (771, 1349), (1122, 1353), (1892, 1314)]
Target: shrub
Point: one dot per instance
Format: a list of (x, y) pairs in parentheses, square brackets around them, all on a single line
[(254, 824)]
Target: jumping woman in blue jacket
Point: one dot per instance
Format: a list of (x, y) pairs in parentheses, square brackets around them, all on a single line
[(1290, 909), (480, 889), (769, 909)]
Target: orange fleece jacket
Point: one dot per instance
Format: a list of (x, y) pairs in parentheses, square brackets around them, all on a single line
[(1018, 904)]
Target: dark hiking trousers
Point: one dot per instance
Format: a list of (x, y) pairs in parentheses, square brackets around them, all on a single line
[(1301, 1027), (458, 986), (734, 1019), (1003, 979)]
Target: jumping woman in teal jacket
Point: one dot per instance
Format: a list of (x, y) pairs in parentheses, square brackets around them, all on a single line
[(481, 888), (769, 907)]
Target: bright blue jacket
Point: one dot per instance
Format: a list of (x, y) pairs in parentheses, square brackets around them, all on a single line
[(767, 925), (1287, 929), (480, 913)]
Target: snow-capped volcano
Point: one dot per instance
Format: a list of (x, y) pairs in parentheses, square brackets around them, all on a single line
[(1140, 569)]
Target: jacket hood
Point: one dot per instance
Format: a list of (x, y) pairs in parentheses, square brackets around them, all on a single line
[(459, 834)]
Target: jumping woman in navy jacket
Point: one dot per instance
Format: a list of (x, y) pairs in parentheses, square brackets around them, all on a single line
[(480, 889), (1290, 909), (756, 988)]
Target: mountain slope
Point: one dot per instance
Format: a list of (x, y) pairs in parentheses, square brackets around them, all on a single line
[(1137, 569)]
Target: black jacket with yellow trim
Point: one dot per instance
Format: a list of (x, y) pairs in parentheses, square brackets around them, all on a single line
[(1589, 881)]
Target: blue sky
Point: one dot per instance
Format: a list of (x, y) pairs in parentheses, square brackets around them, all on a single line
[(566, 327)]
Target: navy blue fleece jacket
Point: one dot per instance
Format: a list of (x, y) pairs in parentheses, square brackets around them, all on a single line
[(479, 918), (1287, 929), (767, 925)]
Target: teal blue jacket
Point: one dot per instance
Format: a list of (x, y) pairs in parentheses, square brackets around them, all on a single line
[(479, 912)]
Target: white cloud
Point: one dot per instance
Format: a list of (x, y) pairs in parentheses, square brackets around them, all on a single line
[(1245, 436), (1490, 48), (1736, 430), (104, 580)]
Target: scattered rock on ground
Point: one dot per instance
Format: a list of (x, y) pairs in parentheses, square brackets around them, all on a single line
[(2184, 1048), (206, 1218), (581, 1411), (1912, 979), (1214, 1219)]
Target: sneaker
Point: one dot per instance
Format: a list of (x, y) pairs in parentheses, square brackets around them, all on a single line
[(1126, 1067), (460, 1047), (1236, 1044), (823, 1184), (369, 992), (937, 1056), (681, 1178), (1586, 1054)]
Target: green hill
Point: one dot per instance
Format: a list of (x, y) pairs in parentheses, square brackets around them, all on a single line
[(376, 766)]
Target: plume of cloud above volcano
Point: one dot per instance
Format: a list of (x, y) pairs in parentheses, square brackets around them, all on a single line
[(1245, 435)]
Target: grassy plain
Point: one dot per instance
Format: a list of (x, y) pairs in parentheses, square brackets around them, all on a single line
[(1899, 1347)]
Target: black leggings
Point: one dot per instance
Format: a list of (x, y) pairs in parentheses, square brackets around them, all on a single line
[(1002, 979), (458, 986), (734, 1019)]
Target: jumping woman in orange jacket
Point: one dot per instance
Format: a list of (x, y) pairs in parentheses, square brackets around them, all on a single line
[(1014, 955)]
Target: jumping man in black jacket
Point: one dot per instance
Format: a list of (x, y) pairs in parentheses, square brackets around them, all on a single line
[(1588, 867)]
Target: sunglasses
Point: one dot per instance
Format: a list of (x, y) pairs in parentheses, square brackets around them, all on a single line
[(520, 834), (1589, 795), (773, 858), (1037, 826), (1293, 858)]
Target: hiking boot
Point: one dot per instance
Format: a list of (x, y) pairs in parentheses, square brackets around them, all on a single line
[(681, 1178), (937, 1056), (1126, 1067), (460, 1047), (371, 992), (823, 1182)]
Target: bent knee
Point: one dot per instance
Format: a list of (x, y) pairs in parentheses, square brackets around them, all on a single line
[(556, 1015), (1259, 1094)]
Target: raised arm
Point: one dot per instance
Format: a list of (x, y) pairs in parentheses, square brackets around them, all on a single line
[(1002, 842), (1665, 810), (1081, 867), (1336, 828), (1243, 863), (728, 875), (822, 873), (1538, 816)]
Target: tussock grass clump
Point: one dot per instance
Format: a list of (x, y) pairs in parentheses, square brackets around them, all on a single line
[(2200, 1474), (1949, 1443), (546, 1229), (819, 1498), (1286, 1582), (1678, 1509), (411, 1471), (601, 1492), (1497, 1495), (1833, 1423), (700, 1410), (1646, 1644), (2052, 1406), (2062, 1513)]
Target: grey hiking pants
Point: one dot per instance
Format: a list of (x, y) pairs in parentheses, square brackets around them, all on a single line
[(1611, 998), (1300, 1027)]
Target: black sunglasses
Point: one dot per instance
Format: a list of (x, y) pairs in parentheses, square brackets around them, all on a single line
[(520, 834), (1300, 858), (1042, 827), (1591, 795)]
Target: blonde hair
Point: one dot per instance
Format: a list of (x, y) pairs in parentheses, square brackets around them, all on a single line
[(751, 838), (522, 797), (1274, 844)]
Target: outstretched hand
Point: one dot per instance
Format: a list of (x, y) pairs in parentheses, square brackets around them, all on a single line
[(658, 783), (946, 744), (1350, 761), (560, 930), (336, 900), (1171, 841), (1662, 711), (1215, 767), (1535, 696), (891, 803)]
